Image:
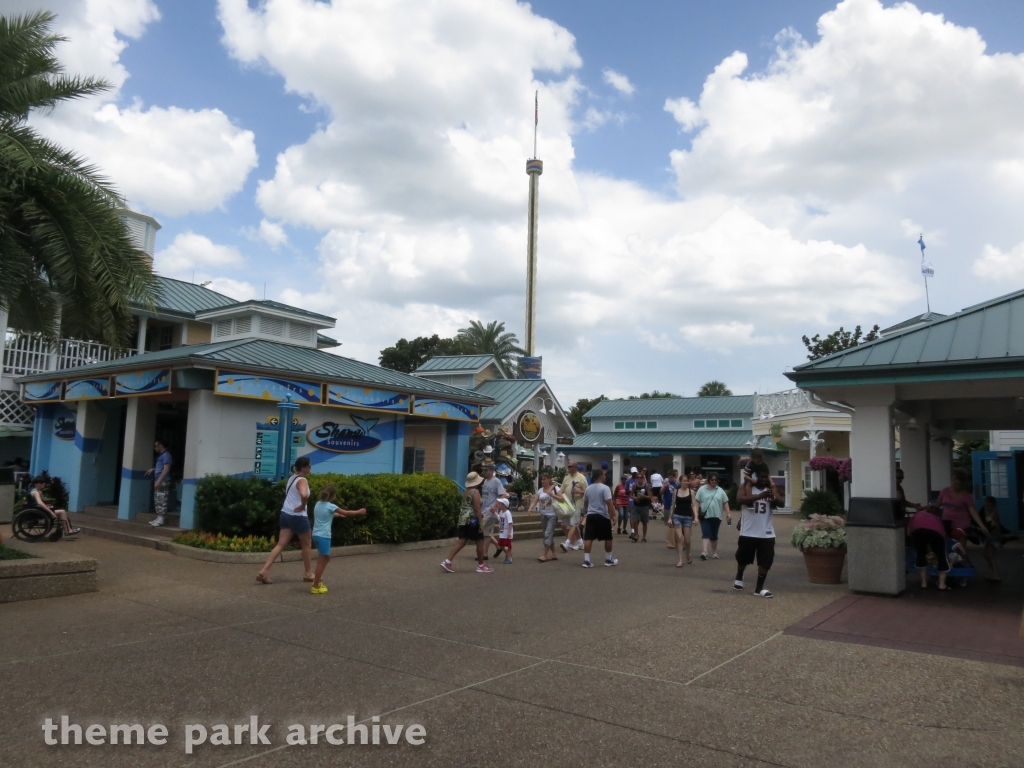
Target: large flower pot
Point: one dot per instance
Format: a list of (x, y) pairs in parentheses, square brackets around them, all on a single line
[(824, 564)]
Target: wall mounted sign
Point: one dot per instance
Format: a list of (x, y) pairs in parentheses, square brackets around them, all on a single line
[(530, 367), (445, 409), (263, 387), (87, 389), (42, 391), (336, 437), (528, 427), (142, 383), (648, 454), (372, 399), (64, 427)]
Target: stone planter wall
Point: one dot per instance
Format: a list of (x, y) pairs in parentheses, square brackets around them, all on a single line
[(49, 574)]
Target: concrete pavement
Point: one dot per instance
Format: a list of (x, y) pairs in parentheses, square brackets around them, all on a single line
[(536, 663)]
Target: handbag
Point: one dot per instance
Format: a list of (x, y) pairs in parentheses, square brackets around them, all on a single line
[(564, 508)]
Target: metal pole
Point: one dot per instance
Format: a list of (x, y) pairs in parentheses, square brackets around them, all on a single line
[(927, 298), (534, 168)]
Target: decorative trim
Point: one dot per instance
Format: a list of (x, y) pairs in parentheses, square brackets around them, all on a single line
[(87, 389), (42, 391), (343, 396), (445, 409), (261, 387), (156, 382)]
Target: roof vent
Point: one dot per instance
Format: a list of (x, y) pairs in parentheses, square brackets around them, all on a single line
[(300, 331), (243, 324), (271, 326), (223, 328)]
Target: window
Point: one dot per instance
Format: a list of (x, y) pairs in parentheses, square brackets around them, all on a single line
[(652, 425), (698, 425), (641, 425), (712, 424), (166, 336), (630, 425), (736, 423), (413, 460), (618, 425)]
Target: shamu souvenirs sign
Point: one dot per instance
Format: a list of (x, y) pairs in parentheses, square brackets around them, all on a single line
[(357, 437)]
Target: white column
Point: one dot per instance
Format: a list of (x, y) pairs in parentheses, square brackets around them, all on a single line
[(141, 346), (202, 443), (914, 462), (139, 434), (3, 336), (678, 463), (616, 470), (873, 451)]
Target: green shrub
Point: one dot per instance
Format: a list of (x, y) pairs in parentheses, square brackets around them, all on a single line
[(6, 553), (820, 502), (222, 543), (399, 508)]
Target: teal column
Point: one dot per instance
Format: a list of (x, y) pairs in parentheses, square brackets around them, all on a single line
[(456, 451)]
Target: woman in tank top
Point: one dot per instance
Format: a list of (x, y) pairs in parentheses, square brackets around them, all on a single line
[(294, 521)]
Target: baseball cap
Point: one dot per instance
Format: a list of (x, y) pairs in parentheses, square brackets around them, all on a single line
[(503, 501), (633, 469)]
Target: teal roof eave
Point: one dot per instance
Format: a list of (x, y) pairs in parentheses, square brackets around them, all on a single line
[(732, 405), (458, 364), (836, 377), (683, 441), (213, 356), (267, 304)]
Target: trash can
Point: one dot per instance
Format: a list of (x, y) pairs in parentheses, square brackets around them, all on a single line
[(875, 546)]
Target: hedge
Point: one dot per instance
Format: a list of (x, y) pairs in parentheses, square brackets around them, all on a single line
[(399, 508)]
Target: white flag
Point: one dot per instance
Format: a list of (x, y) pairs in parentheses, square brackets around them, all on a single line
[(926, 268)]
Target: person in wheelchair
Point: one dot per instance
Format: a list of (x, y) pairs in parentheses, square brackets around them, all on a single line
[(35, 500)]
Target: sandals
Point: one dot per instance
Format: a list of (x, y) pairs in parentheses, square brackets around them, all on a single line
[(312, 579), (263, 579)]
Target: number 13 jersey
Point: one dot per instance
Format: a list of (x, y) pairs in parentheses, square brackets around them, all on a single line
[(756, 521)]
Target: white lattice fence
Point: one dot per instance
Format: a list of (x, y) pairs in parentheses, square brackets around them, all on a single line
[(13, 412)]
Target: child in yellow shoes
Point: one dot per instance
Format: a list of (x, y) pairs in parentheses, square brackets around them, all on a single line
[(323, 515)]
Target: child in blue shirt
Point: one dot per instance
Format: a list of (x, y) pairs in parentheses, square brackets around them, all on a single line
[(323, 515)]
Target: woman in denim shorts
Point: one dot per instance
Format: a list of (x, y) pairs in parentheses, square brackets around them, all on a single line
[(294, 522)]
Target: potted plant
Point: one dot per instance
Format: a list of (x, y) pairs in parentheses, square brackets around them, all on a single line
[(822, 539)]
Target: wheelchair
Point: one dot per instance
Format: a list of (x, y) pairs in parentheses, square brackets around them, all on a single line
[(34, 524)]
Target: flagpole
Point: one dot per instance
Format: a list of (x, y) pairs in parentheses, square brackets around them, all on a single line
[(927, 298), (926, 269)]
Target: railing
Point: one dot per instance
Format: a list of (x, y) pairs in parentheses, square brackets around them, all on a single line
[(788, 401), (28, 353)]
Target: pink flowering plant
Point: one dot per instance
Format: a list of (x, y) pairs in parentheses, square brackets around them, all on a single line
[(842, 467), (827, 531)]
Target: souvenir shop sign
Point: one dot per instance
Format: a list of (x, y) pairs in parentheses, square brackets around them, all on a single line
[(87, 389), (142, 383), (445, 409), (528, 427), (337, 437), (370, 399), (42, 392), (262, 387), (64, 427)]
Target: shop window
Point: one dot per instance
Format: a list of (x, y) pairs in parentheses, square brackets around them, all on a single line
[(698, 424), (652, 425), (736, 423), (712, 424), (413, 460), (618, 425), (630, 425), (641, 425)]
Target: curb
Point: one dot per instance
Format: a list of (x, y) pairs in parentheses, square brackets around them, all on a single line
[(292, 555)]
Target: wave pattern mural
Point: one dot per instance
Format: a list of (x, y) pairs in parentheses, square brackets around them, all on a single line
[(267, 387)]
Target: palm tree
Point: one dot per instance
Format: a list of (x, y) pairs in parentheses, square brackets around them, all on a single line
[(714, 389), (491, 339), (66, 260)]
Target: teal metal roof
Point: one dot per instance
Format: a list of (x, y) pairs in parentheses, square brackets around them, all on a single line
[(263, 355), (510, 395), (913, 322), (690, 441), (267, 304), (976, 341), (674, 406), (327, 341), (452, 363), (184, 298)]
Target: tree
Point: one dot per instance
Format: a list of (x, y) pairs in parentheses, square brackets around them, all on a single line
[(575, 414), (655, 394), (836, 341), (491, 339), (406, 356), (65, 255), (714, 389)]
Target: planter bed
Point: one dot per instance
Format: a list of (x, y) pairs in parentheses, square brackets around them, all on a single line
[(49, 573)]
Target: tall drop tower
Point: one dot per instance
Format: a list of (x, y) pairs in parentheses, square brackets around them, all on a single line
[(534, 168)]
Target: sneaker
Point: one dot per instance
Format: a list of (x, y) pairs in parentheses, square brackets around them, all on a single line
[(321, 590), (157, 522), (73, 531), (447, 565), (613, 561), (484, 569), (578, 547), (714, 556), (507, 561), (737, 585), (703, 555), (563, 546), (764, 593), (587, 564)]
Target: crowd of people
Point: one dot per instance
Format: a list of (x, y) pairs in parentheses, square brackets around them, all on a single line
[(586, 510)]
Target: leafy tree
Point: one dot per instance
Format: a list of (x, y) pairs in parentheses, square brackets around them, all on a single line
[(655, 394), (836, 341), (65, 255), (575, 414), (492, 339), (406, 356), (714, 389)]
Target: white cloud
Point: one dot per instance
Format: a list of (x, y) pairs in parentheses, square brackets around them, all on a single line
[(236, 289), (994, 264), (618, 81), (269, 232), (799, 203), (165, 160), (190, 253)]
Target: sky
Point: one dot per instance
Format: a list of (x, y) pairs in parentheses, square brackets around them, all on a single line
[(719, 178)]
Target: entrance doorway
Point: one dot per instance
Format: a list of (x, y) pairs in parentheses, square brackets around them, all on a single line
[(171, 430)]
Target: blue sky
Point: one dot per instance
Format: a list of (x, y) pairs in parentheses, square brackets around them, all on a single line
[(390, 187)]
